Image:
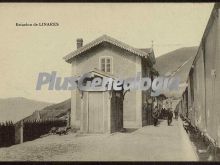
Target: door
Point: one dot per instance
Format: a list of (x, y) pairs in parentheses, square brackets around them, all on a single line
[(95, 112), (116, 112), (119, 112)]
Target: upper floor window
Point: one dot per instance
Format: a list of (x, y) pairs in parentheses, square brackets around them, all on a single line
[(106, 64)]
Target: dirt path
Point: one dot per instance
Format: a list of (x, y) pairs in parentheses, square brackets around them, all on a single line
[(161, 143)]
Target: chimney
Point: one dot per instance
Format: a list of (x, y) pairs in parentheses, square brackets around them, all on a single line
[(79, 43)]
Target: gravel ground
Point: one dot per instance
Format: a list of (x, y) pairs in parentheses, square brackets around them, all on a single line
[(161, 143)]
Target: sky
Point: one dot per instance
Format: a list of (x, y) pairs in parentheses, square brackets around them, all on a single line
[(26, 51)]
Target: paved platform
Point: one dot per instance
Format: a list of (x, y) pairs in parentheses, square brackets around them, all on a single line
[(161, 143)]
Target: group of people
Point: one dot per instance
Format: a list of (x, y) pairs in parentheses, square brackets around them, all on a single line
[(163, 114), (161, 109)]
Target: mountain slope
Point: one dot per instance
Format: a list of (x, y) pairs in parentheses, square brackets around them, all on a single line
[(52, 111), (170, 62), (16, 108), (56, 110)]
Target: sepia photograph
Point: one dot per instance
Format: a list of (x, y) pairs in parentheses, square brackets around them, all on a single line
[(82, 82)]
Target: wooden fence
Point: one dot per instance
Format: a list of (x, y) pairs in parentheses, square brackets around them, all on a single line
[(7, 134), (34, 129), (20, 132)]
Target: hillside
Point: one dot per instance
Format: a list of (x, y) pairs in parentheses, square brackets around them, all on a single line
[(52, 111), (171, 61), (16, 108)]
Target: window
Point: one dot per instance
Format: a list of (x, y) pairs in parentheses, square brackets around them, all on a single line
[(106, 64)]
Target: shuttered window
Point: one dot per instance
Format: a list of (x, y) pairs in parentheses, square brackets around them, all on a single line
[(103, 64), (106, 64)]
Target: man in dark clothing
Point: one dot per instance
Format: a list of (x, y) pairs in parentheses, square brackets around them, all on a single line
[(169, 117), (155, 115), (176, 114), (155, 121)]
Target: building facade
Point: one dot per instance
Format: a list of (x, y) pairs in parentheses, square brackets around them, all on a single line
[(120, 60)]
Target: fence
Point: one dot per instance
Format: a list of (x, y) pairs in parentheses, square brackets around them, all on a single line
[(11, 134), (7, 134), (34, 129)]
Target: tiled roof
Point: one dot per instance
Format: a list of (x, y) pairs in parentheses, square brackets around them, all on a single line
[(140, 52)]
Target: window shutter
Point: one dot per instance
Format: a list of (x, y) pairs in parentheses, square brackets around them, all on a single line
[(108, 65), (103, 64)]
